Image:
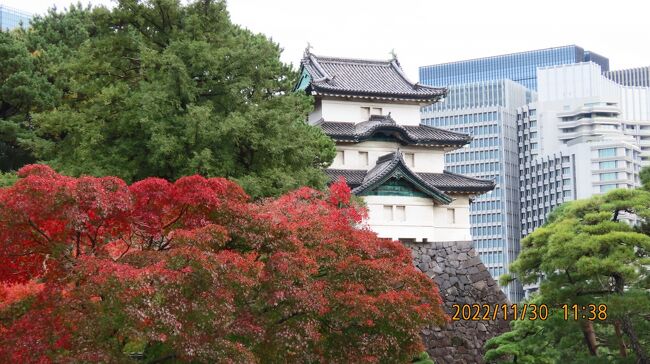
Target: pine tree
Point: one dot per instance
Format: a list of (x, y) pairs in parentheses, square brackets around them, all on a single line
[(156, 88), (592, 251)]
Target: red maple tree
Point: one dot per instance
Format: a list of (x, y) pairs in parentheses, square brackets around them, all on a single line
[(95, 270)]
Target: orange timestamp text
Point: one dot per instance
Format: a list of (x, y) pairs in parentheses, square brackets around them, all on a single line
[(485, 312), (525, 311)]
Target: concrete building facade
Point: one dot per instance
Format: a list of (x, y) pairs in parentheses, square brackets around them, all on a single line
[(587, 133), (598, 131)]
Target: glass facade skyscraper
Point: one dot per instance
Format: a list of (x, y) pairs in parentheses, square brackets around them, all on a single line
[(488, 112), (11, 18), (484, 96), (519, 67)]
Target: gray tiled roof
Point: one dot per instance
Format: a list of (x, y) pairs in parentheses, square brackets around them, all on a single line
[(358, 77), (391, 163), (353, 177), (447, 181), (452, 182), (407, 134)]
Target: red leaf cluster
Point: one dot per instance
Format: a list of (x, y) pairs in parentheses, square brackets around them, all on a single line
[(95, 270)]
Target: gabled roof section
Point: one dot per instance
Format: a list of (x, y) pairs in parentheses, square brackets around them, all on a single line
[(423, 135), (392, 166), (452, 182), (447, 182), (353, 177), (381, 79)]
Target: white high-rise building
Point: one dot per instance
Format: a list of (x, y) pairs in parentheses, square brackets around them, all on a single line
[(585, 135)]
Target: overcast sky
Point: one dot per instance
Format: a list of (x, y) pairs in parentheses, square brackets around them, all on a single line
[(424, 32)]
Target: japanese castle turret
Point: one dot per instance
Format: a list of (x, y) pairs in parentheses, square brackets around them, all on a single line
[(372, 111)]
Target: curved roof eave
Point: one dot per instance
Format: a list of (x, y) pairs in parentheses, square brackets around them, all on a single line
[(388, 168)]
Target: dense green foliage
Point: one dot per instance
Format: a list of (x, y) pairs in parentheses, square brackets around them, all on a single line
[(35, 78), (7, 179), (645, 178), (423, 358), (590, 251), (23, 90), (156, 88)]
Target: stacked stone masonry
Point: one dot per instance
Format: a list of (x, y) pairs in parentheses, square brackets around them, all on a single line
[(462, 279)]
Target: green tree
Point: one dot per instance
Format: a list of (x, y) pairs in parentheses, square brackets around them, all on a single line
[(34, 77), (645, 178), (156, 88), (23, 90), (591, 251), (7, 179)]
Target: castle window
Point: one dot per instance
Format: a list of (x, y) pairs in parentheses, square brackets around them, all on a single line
[(409, 159), (451, 216), (394, 213), (365, 113), (363, 159), (388, 212), (400, 213), (340, 158)]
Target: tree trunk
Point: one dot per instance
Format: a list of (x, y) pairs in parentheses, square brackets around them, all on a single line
[(590, 337), (621, 343), (628, 329), (641, 355)]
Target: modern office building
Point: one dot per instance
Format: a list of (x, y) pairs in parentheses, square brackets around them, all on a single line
[(520, 67), (577, 170), (488, 111), (585, 135), (545, 180), (588, 133), (639, 76), (577, 104), (11, 18)]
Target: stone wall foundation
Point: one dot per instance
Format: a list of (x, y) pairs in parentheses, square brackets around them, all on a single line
[(462, 279)]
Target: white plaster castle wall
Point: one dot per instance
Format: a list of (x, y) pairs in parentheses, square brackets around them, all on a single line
[(350, 111), (425, 159), (317, 114), (397, 217), (422, 219)]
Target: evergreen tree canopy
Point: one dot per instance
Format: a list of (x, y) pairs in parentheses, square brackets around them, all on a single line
[(22, 90), (157, 88), (590, 252), (644, 174)]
